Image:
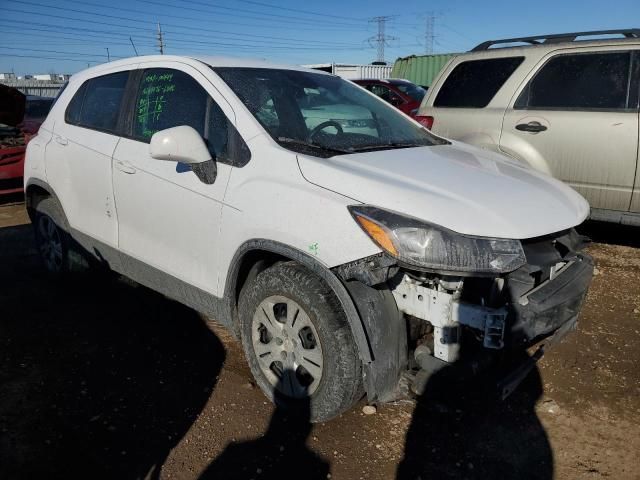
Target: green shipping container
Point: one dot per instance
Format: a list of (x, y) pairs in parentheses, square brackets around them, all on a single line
[(420, 69)]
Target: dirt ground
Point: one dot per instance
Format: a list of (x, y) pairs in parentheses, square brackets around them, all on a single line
[(101, 378)]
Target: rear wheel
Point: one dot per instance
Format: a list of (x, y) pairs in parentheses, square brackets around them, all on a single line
[(51, 236), (298, 342)]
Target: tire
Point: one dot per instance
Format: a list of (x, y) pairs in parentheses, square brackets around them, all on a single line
[(321, 366), (53, 240)]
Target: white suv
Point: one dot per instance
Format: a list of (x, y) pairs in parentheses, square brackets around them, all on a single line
[(564, 105), (334, 235)]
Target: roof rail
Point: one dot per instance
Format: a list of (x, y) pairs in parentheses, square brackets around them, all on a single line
[(558, 38)]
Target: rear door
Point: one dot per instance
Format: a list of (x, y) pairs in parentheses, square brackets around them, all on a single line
[(576, 118), (467, 102), (78, 159)]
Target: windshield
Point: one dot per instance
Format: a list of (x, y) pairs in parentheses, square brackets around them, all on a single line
[(320, 114), (414, 91)]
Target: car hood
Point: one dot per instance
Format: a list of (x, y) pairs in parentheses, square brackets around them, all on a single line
[(12, 106), (457, 186)]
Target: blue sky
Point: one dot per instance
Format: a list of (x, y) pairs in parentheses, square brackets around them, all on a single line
[(63, 36)]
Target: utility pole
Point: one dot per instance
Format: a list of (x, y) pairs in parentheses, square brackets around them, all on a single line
[(160, 40), (108, 56), (429, 33), (381, 39)]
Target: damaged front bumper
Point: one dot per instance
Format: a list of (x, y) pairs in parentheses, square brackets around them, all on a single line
[(528, 315), (437, 320)]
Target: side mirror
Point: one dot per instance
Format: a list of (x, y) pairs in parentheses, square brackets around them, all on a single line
[(185, 145), (179, 144)]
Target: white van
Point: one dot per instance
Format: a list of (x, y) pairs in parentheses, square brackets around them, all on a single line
[(332, 234)]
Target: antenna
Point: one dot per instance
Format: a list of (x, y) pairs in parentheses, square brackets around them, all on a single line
[(381, 38), (134, 47), (160, 40), (429, 33)]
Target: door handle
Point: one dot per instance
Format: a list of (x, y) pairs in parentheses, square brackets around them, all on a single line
[(531, 127), (61, 140), (125, 167)]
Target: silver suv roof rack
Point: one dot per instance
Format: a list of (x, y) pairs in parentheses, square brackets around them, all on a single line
[(558, 38)]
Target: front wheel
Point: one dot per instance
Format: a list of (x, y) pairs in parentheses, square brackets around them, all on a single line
[(298, 342)]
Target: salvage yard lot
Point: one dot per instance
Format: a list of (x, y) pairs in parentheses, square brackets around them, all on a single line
[(100, 377)]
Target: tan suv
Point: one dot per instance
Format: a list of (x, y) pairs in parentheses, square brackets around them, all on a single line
[(565, 104)]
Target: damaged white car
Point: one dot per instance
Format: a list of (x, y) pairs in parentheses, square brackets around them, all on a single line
[(352, 251)]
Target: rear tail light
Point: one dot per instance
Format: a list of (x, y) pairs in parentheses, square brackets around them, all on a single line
[(425, 120)]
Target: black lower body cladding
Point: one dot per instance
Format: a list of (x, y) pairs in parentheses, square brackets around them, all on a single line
[(539, 311)]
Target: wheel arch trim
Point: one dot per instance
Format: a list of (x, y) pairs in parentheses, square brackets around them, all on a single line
[(271, 246)]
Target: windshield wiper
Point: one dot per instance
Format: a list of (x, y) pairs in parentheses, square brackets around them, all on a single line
[(295, 141), (382, 146)]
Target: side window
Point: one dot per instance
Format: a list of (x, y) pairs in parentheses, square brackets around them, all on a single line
[(168, 98), (72, 114), (474, 83), (381, 91), (101, 104), (580, 82)]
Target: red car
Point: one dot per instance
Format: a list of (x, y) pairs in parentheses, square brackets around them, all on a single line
[(402, 94), (20, 119)]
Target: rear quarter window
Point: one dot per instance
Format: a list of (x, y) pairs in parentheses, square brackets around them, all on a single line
[(96, 104), (583, 81), (472, 84)]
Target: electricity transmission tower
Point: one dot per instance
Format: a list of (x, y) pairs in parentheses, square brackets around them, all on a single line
[(429, 33), (381, 39)]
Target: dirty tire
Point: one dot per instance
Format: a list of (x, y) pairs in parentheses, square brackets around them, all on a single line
[(340, 385), (53, 241)]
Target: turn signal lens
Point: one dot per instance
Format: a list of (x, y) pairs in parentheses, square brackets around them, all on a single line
[(378, 234)]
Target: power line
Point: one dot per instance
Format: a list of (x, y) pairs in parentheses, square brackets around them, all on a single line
[(180, 39), (273, 23), (281, 46), (103, 15), (269, 5), (182, 17), (273, 15), (381, 38), (57, 51), (55, 58), (65, 35)]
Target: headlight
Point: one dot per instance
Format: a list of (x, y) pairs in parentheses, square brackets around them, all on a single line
[(433, 247)]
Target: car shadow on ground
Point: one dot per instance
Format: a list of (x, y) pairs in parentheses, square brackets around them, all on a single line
[(461, 429), (611, 233), (100, 378)]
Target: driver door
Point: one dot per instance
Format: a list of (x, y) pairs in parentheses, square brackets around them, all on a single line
[(168, 218)]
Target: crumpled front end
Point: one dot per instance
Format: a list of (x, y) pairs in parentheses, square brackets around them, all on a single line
[(476, 320)]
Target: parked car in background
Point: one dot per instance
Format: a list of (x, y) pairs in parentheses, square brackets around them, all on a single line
[(332, 249), (20, 118), (402, 94), (564, 105)]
